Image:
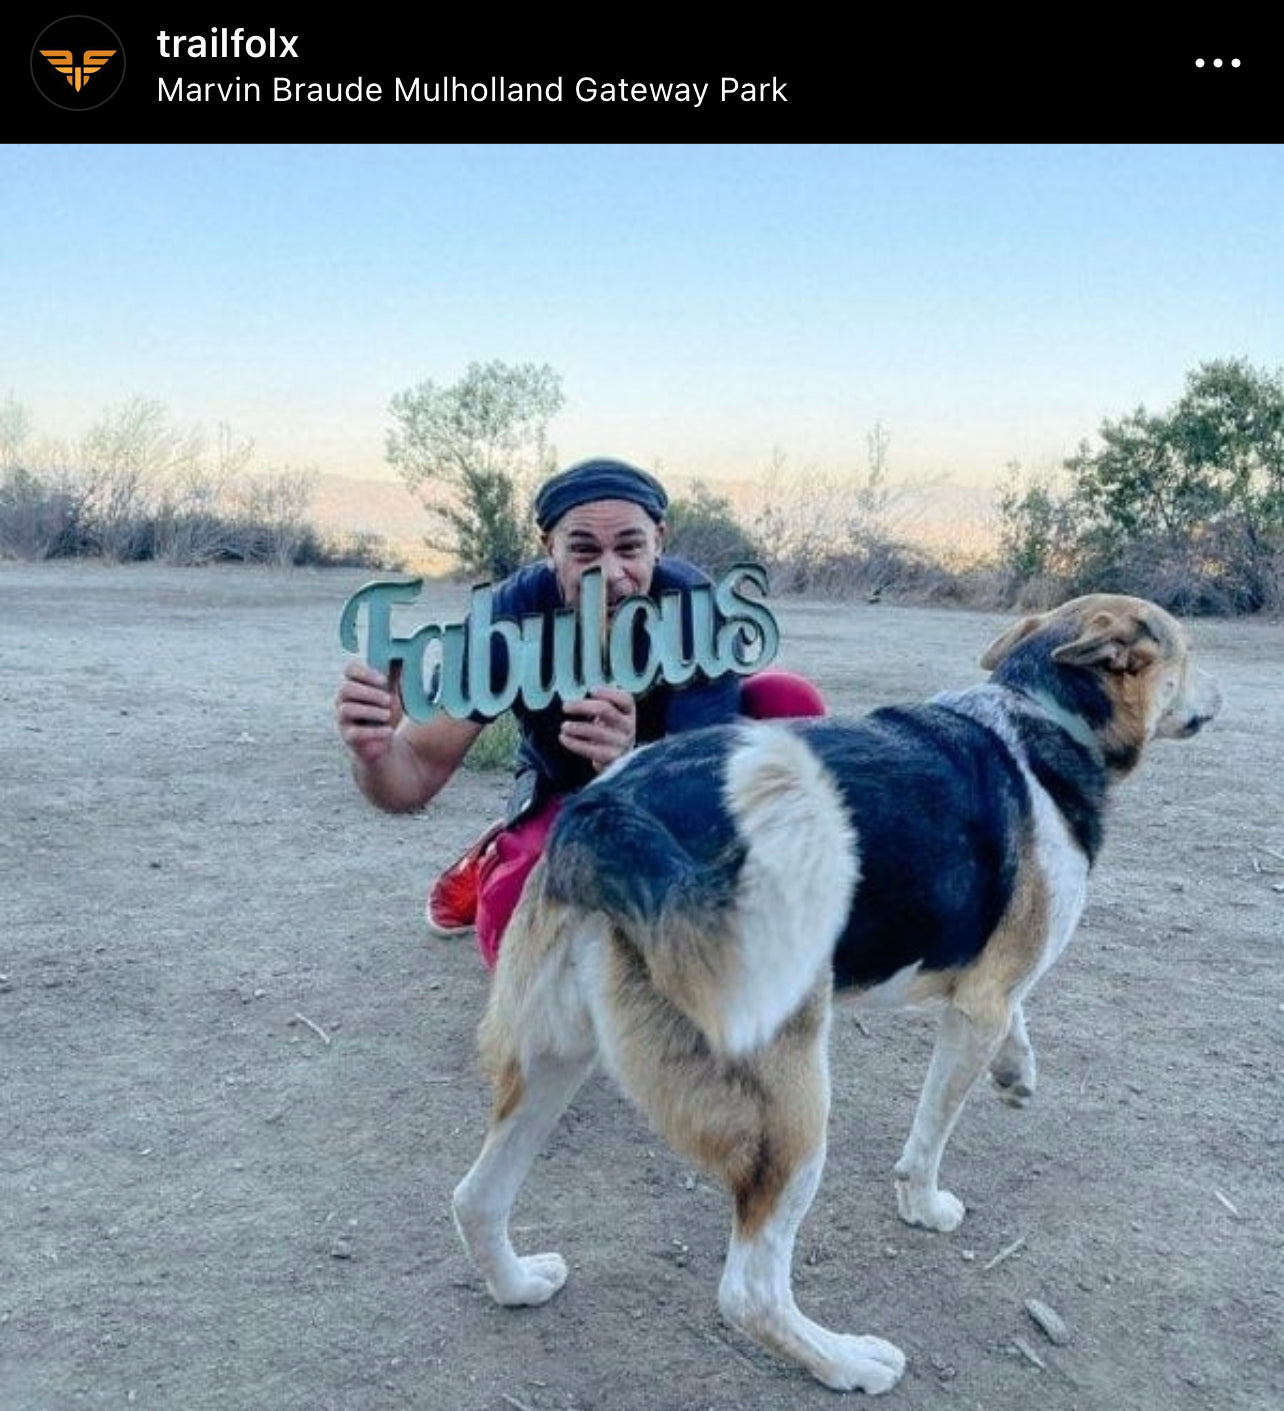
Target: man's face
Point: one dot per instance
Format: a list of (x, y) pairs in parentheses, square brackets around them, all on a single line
[(616, 536)]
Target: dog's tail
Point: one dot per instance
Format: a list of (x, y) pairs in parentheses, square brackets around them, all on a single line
[(738, 940)]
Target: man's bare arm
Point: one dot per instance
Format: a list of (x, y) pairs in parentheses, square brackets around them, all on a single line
[(399, 764)]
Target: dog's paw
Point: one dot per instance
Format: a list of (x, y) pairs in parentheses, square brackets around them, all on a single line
[(1012, 1088), (534, 1280), (863, 1364), (933, 1209)]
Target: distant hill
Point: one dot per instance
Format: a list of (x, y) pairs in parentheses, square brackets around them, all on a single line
[(949, 519), (345, 505)]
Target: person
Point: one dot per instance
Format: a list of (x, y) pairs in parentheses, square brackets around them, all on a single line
[(598, 514)]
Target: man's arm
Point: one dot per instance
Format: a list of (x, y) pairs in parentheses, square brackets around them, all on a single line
[(399, 764)]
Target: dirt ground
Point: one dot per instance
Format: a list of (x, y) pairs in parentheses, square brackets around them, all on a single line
[(239, 1081)]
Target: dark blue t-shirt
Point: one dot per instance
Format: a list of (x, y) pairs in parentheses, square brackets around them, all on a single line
[(662, 710)]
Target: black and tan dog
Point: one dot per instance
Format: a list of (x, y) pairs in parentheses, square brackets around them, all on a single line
[(698, 905)]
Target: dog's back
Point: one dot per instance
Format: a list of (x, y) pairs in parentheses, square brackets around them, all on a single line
[(942, 809), (909, 825)]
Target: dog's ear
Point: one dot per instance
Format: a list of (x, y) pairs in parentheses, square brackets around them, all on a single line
[(999, 648), (1113, 641)]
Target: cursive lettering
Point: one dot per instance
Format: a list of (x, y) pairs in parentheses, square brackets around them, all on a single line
[(731, 630)]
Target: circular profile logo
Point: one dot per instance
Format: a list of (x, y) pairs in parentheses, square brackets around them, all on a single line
[(78, 62)]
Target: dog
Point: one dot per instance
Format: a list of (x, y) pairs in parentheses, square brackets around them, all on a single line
[(700, 903)]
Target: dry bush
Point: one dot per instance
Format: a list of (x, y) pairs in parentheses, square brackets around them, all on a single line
[(38, 517), (136, 488), (846, 536)]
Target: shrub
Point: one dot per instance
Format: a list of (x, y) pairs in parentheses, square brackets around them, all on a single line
[(38, 520), (136, 488), (1186, 507), (704, 529), (496, 747), (845, 536)]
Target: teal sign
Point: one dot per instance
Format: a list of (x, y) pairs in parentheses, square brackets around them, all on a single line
[(733, 630)]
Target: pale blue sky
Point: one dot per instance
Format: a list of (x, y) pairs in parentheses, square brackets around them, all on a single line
[(703, 304)]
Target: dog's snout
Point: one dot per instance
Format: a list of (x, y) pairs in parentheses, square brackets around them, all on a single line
[(1208, 698), (1192, 726), (1203, 703)]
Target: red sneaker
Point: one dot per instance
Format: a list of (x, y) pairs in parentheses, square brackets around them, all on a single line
[(452, 899)]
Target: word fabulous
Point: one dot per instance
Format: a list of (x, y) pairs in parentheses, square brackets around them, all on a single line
[(712, 629)]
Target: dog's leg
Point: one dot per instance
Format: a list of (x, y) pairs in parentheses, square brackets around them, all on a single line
[(1013, 1067), (756, 1122), (484, 1198), (964, 1046), (768, 1123), (755, 1294)]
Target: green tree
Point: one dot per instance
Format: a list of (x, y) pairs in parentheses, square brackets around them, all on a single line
[(1186, 506), (1219, 451), (1195, 495), (473, 451)]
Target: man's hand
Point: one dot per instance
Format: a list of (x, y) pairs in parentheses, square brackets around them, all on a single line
[(602, 727), (400, 764), (368, 710)]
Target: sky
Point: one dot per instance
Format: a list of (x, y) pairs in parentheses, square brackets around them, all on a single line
[(707, 307)]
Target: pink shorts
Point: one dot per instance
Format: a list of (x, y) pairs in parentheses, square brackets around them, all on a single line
[(510, 859), (502, 874)]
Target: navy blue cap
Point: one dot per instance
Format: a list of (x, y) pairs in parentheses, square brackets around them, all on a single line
[(600, 478)]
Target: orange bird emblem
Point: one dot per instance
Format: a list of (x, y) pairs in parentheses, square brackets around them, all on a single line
[(78, 74)]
